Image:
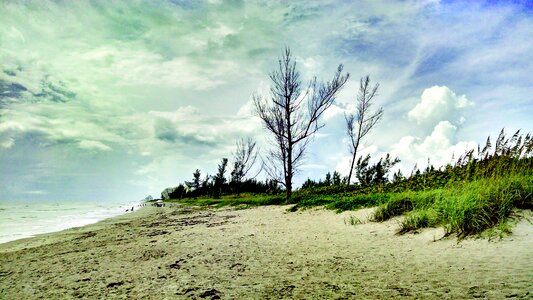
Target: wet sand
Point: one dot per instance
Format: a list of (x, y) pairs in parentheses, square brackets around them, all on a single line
[(264, 252)]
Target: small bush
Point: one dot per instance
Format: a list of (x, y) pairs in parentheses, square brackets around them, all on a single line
[(425, 199), (396, 206), (358, 201), (312, 201), (418, 219)]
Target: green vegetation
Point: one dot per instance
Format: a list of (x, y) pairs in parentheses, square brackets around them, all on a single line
[(339, 202), (480, 191), (477, 193), (462, 208), (352, 220), (244, 199)]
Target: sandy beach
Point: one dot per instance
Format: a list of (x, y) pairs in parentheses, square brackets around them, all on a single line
[(265, 252)]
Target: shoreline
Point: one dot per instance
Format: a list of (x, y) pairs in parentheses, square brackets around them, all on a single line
[(262, 252), (40, 239), (24, 220)]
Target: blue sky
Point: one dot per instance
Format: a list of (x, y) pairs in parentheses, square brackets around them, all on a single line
[(118, 100)]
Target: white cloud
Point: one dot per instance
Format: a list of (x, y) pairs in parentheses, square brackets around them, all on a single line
[(247, 110), (311, 65), (439, 103), (36, 192), (181, 113), (93, 145), (343, 165), (439, 109), (439, 147), (333, 111), (6, 142), (440, 139)]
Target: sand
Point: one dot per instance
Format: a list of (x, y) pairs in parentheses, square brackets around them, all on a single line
[(262, 253)]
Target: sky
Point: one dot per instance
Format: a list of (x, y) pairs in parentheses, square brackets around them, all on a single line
[(116, 100)]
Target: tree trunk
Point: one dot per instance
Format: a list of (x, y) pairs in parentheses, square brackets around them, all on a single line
[(351, 169), (288, 175), (289, 190), (353, 159)]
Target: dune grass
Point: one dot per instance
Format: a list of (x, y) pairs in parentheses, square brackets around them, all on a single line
[(403, 202), (465, 208), (462, 208), (417, 219), (340, 202)]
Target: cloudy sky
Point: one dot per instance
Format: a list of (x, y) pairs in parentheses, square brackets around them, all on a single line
[(120, 99)]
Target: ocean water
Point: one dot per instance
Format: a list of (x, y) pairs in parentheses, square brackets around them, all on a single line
[(20, 219)]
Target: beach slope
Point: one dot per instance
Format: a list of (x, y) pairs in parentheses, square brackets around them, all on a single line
[(264, 252)]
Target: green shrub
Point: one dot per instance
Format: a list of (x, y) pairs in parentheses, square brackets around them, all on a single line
[(473, 207), (358, 201), (232, 200), (418, 219), (425, 199), (463, 208), (397, 205)]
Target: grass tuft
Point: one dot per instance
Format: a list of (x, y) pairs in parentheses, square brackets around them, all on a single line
[(397, 205), (464, 208), (352, 220), (418, 219), (470, 208)]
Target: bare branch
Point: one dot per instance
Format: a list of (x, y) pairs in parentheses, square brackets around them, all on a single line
[(290, 122), (244, 158), (360, 123)]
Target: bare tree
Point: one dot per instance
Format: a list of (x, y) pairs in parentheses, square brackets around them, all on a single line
[(244, 158), (291, 114), (359, 124)]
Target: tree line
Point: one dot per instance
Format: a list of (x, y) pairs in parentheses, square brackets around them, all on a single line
[(241, 179), (291, 115)]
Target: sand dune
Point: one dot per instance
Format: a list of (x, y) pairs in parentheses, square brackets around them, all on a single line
[(262, 252)]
